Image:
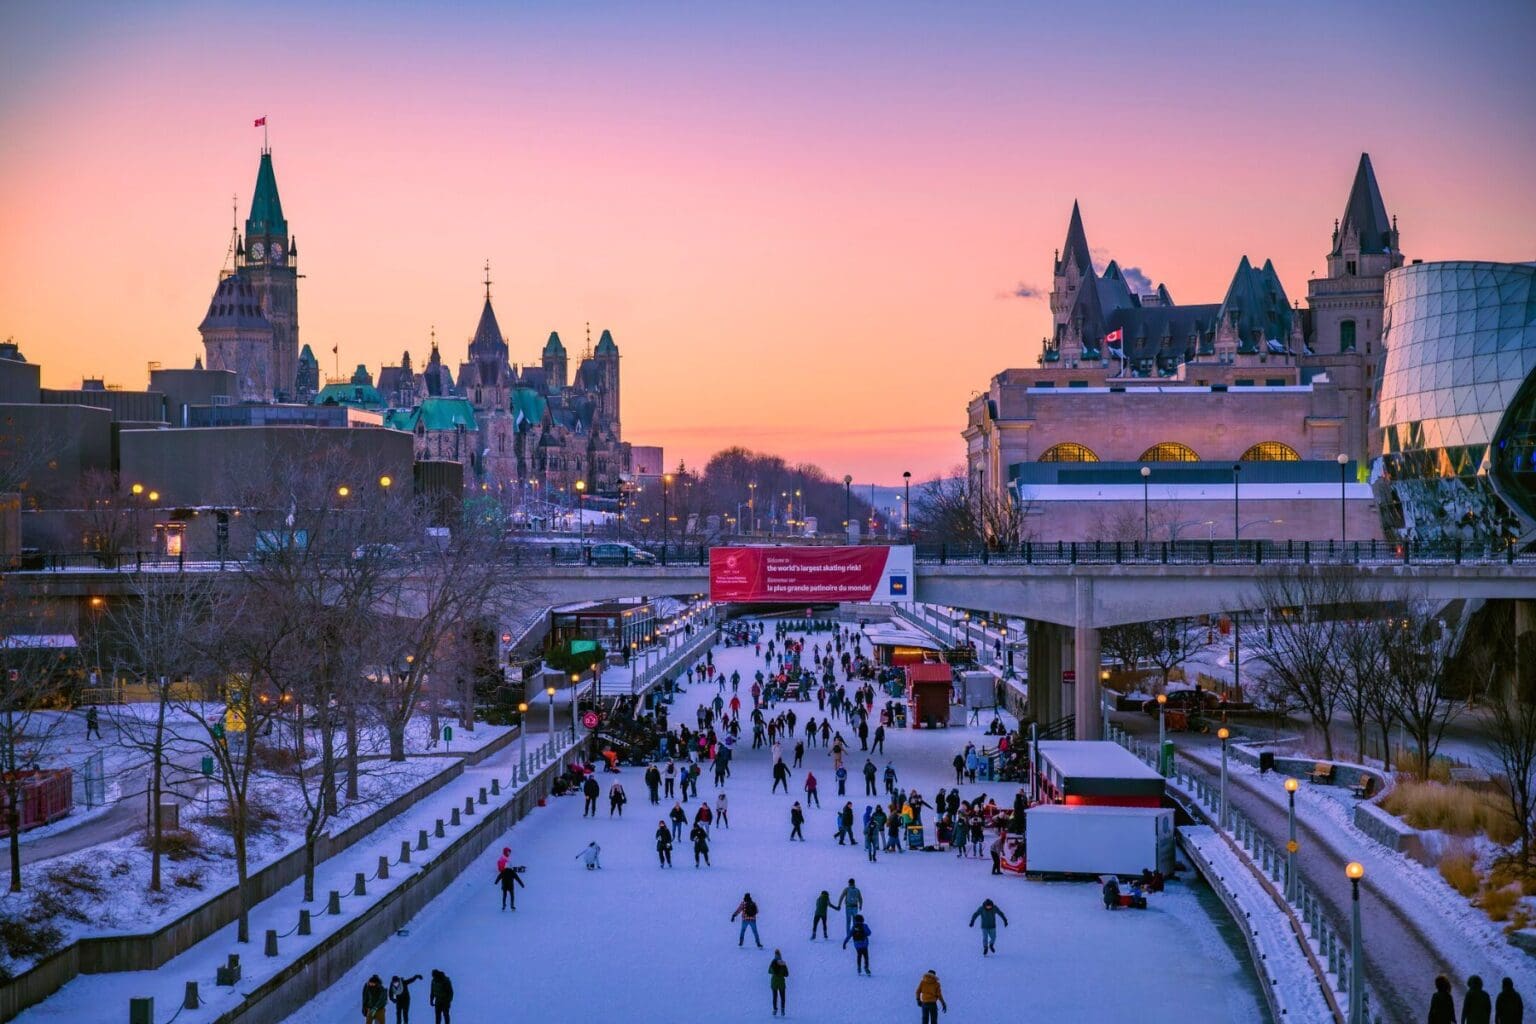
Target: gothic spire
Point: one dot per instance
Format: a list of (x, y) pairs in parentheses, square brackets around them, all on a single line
[(1076, 246), (1365, 213), (266, 217)]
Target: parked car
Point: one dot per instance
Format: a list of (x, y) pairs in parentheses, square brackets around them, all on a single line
[(619, 554), (1186, 701)]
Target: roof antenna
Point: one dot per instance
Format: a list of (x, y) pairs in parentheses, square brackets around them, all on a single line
[(234, 238), (588, 353), (487, 280)]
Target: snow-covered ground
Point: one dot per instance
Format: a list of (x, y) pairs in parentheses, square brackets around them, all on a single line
[(636, 942)]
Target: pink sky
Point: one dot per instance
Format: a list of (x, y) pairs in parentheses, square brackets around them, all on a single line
[(804, 227)]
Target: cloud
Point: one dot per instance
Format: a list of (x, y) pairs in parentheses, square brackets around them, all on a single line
[(1024, 290), (1138, 282)]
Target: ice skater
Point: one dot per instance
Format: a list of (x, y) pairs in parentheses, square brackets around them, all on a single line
[(722, 815), (510, 877), (400, 995), (819, 915), (747, 911), (930, 996), (591, 790), (852, 901), (778, 979), (440, 998), (663, 845), (590, 857), (375, 999), (796, 822), (989, 912), (859, 936), (700, 837)]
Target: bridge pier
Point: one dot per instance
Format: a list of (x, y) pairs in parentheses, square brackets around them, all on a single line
[(1085, 665)]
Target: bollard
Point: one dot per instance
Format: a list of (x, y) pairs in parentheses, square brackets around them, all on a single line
[(383, 867), (271, 947), (482, 796), (304, 928), (359, 886), (405, 850), (469, 806), (438, 833), (333, 905), (453, 819), (191, 1000), (495, 787), (141, 1011)]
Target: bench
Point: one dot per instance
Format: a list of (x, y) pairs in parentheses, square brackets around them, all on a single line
[(1363, 788), (1467, 776), (1321, 772)]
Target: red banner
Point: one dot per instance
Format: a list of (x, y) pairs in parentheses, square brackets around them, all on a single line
[(795, 575)]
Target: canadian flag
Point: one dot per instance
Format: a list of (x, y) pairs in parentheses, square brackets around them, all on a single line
[(260, 121), (1118, 334)]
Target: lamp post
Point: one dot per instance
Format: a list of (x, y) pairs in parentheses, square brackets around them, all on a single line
[(1291, 846), (522, 710), (1343, 461), (549, 691), (1223, 733), (1162, 726), (575, 679), (1237, 473), (848, 504), (1146, 507), (906, 504), (666, 484), (581, 511), (752, 504), (1356, 871)]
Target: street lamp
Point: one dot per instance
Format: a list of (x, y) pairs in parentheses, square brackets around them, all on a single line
[(575, 678), (522, 710), (343, 490), (549, 691), (581, 510), (1237, 473), (752, 505), (1146, 513), (1223, 734), (906, 504), (848, 503), (1356, 871), (1343, 461), (385, 482), (1162, 726), (666, 484), (1291, 847)]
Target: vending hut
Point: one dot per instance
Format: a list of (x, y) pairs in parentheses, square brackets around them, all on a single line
[(929, 685), (1096, 773)]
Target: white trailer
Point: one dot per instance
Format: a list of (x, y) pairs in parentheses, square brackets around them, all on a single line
[(1066, 839)]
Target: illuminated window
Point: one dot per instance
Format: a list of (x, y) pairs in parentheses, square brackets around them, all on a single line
[(1169, 451), (1271, 451), (1068, 451)]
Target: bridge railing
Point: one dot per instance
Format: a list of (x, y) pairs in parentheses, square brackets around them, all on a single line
[(1045, 553)]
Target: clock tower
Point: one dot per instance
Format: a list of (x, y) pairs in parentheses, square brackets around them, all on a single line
[(270, 270)]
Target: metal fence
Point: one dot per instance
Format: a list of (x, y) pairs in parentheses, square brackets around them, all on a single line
[(1329, 943)]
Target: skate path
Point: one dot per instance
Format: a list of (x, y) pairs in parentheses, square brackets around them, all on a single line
[(653, 944)]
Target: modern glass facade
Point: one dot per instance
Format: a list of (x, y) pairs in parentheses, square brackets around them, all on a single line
[(1457, 403)]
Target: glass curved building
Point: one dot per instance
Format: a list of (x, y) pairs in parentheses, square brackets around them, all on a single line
[(1457, 403)]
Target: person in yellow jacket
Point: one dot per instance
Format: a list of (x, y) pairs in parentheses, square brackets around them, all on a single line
[(930, 996)]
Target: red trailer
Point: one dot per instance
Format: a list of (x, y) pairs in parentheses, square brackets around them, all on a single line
[(46, 796), (929, 685)]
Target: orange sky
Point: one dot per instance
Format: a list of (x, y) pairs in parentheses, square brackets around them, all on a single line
[(804, 227)]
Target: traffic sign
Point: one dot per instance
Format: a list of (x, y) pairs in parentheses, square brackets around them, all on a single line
[(1292, 846), (589, 720), (208, 767), (447, 734)]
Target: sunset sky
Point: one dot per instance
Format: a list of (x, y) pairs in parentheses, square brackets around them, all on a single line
[(804, 223)]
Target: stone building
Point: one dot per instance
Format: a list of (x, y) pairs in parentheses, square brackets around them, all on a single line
[(1135, 378)]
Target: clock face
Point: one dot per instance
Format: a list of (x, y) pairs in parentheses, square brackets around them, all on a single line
[(257, 250), (277, 252)]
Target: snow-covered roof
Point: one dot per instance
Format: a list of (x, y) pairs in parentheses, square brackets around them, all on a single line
[(1094, 759), (895, 636)]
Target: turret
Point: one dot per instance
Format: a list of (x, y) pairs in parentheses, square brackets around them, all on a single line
[(555, 363)]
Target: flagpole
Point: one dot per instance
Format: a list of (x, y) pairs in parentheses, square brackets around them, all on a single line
[(266, 143)]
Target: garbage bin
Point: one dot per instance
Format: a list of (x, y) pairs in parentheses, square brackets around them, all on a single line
[(1266, 761)]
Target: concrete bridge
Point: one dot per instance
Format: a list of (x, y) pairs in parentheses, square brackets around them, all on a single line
[(1066, 604)]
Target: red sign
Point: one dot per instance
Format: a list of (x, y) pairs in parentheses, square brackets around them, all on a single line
[(795, 575), (589, 720)]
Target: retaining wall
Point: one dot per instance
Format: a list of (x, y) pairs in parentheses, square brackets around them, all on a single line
[(145, 952)]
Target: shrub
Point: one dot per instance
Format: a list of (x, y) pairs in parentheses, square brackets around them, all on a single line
[(1458, 866), (24, 939), (177, 844), (75, 877), (1499, 902), (1454, 810), (188, 879)]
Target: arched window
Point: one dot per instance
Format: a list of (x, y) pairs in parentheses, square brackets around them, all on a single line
[(1169, 451), (1068, 451), (1271, 451), (1346, 335)]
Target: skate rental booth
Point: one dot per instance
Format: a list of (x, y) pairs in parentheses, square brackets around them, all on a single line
[(1095, 773), (930, 686)]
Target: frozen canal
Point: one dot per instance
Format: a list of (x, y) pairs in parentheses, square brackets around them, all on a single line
[(634, 942)]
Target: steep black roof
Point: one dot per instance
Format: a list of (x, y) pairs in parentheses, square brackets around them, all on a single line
[(235, 304), (1076, 245), (1172, 331), (1365, 213)]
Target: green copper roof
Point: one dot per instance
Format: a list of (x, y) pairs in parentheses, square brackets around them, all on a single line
[(434, 414), (553, 345), (266, 208), (605, 345), (527, 405), (362, 396)]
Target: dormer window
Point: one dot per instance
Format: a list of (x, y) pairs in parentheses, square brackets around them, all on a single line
[(1349, 267)]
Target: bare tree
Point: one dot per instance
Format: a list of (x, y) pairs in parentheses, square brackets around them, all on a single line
[(1173, 642), (1512, 735), (1418, 655), (1129, 644), (1365, 680), (1298, 655), (958, 510)]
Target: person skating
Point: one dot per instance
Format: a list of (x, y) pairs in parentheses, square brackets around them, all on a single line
[(879, 744), (811, 796), (799, 753), (747, 911), (930, 996), (722, 816), (869, 778), (400, 995), (653, 783), (663, 845), (819, 916), (510, 878), (959, 763), (997, 855), (863, 735), (440, 998), (1476, 1007), (679, 818), (842, 780), (780, 777), (890, 779), (858, 934), (669, 777), (375, 999), (796, 822), (989, 912), (591, 790), (961, 835), (700, 837), (778, 979), (616, 800), (845, 825), (590, 857), (506, 855), (1508, 1008), (852, 901)]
